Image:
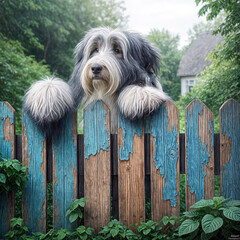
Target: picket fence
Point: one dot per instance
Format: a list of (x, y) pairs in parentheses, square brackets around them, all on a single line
[(97, 148)]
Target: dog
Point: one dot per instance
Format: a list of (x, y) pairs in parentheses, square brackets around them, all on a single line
[(118, 67)]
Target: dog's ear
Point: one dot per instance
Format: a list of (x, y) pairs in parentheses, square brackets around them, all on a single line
[(143, 52)]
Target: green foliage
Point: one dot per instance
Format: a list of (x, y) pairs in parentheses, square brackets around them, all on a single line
[(12, 175), (50, 29), (83, 233), (116, 230), (212, 219), (17, 72), (150, 230), (75, 211), (169, 62)]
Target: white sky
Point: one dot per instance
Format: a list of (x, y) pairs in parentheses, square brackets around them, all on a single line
[(177, 16)]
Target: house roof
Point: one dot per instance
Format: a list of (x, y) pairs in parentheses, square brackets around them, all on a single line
[(194, 60)]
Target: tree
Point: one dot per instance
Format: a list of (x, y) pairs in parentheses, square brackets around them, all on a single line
[(18, 71), (50, 29), (169, 61)]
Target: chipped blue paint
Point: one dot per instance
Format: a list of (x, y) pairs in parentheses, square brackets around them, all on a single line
[(197, 153), (211, 129), (35, 192), (166, 153), (65, 153), (6, 150), (230, 115), (129, 129), (96, 134), (5, 147)]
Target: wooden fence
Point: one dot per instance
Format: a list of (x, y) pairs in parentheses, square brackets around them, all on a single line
[(144, 155)]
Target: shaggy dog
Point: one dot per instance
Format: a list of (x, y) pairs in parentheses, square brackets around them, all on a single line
[(118, 67)]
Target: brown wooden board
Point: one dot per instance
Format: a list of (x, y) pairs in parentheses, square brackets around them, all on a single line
[(199, 157), (131, 171), (164, 158), (97, 171), (8, 151)]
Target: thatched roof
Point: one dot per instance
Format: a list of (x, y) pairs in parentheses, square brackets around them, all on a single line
[(193, 61)]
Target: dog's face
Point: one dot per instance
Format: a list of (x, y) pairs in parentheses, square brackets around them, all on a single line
[(108, 60)]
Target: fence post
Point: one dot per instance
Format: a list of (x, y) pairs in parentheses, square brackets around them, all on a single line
[(229, 149), (131, 187), (7, 148), (64, 145), (97, 171), (35, 193), (164, 161), (199, 144)]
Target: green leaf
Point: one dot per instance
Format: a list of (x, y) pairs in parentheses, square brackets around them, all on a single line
[(165, 220), (188, 226), (2, 178), (211, 223), (233, 203), (191, 213), (81, 229), (146, 231), (114, 232), (203, 203), (73, 217), (232, 213), (17, 166)]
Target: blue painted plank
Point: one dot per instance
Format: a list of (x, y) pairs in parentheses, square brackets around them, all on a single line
[(35, 193), (131, 171), (64, 171), (7, 149), (199, 152), (165, 134), (230, 150), (97, 170)]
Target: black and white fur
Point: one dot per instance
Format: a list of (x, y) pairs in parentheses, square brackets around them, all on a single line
[(118, 67)]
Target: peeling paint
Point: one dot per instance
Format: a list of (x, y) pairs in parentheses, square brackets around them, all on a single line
[(7, 127), (230, 120), (166, 153), (95, 123), (197, 154), (64, 168), (35, 192), (129, 130)]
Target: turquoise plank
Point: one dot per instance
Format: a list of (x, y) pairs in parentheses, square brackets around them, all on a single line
[(196, 151), (7, 150), (6, 146), (95, 123), (129, 129), (34, 195), (64, 171), (230, 120), (166, 152)]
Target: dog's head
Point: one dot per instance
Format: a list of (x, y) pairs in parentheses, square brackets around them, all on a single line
[(109, 60)]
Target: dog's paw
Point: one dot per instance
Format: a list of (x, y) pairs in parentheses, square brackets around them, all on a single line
[(48, 100), (136, 101)]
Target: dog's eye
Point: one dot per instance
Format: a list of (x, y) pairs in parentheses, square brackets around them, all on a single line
[(94, 51), (116, 50)]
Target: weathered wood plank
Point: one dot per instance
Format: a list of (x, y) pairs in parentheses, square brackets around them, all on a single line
[(229, 149), (131, 171), (97, 171), (164, 158), (35, 193), (64, 145), (7, 149), (199, 143)]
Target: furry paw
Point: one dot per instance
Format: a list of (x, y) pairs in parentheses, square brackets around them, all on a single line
[(48, 100), (136, 101)]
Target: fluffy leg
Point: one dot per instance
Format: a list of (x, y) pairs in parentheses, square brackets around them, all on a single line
[(48, 101), (137, 101)]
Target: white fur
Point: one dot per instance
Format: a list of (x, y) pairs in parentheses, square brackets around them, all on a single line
[(135, 101), (48, 99)]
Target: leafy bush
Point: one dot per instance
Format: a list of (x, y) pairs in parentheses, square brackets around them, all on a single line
[(116, 230), (212, 219), (18, 230), (12, 175)]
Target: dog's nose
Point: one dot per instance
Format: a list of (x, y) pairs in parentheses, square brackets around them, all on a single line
[(96, 68)]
